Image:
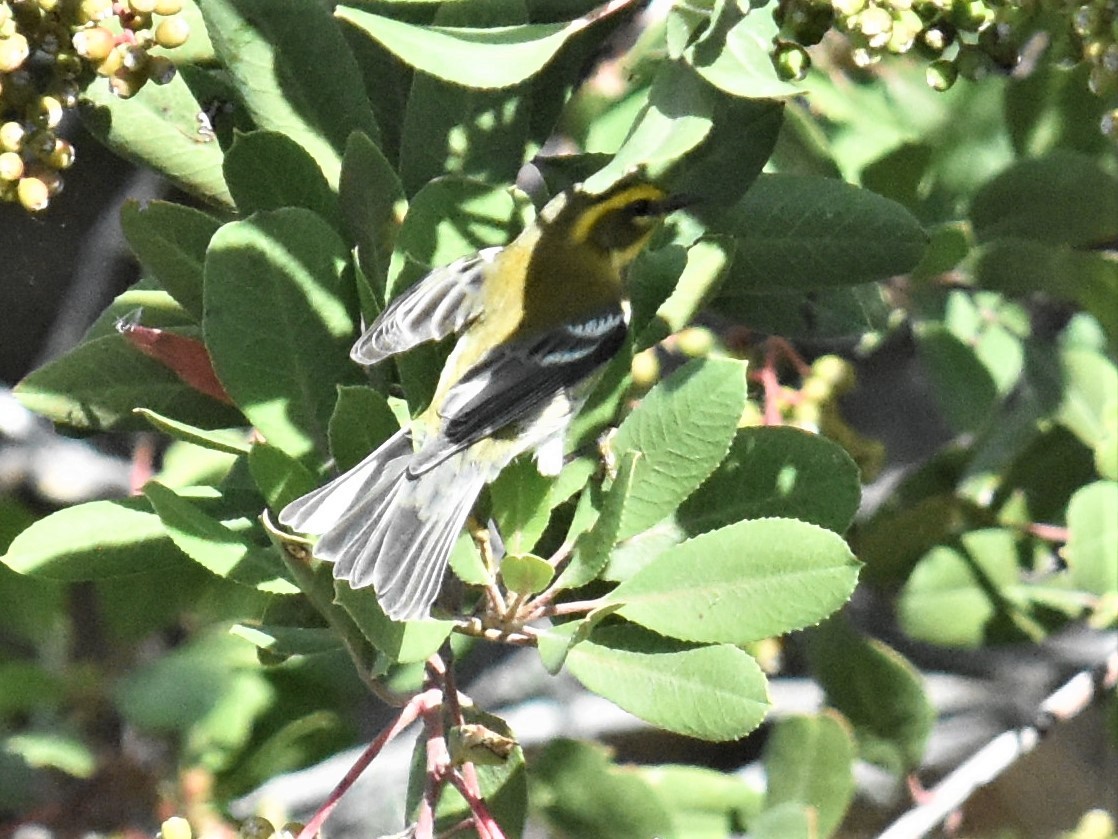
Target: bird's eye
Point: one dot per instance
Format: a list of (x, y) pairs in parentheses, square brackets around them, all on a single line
[(642, 207)]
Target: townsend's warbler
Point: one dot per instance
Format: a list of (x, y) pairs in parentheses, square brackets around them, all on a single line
[(538, 319)]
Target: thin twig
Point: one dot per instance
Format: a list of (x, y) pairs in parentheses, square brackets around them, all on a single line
[(574, 607), (526, 636), (420, 705), (465, 781), (1001, 752)]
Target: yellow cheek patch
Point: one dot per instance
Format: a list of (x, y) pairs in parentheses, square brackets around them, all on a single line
[(593, 214)]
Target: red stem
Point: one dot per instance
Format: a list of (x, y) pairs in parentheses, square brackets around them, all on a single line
[(420, 704)]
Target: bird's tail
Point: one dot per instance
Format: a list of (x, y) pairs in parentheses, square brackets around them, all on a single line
[(382, 526)]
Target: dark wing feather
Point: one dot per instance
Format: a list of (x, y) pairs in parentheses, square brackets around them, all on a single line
[(517, 379)]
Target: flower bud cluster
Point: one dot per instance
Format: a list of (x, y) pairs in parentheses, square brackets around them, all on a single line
[(959, 38), (50, 50)]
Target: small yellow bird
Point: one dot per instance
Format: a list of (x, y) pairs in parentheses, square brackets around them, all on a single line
[(538, 319)]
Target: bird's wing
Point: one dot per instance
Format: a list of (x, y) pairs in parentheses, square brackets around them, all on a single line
[(516, 379), (441, 304)]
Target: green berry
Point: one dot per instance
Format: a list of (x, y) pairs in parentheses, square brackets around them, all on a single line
[(971, 15), (168, 7), (48, 112), (11, 136), (848, 8), (95, 43), (941, 74), (874, 21), (906, 26), (256, 827), (792, 61), (835, 370), (14, 50), (11, 166), (172, 32), (93, 11), (175, 827), (645, 368), (695, 341), (112, 63), (33, 194), (938, 37)]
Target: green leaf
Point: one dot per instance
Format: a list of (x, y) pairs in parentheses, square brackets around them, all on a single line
[(825, 313), (188, 465), (582, 794), (965, 389), (279, 477), (278, 324), (287, 641), (42, 749), (741, 583), (777, 471), (170, 241), (798, 232), (738, 59), (98, 385), (809, 760), (28, 688), (724, 167), (966, 582), (1092, 548), (1063, 198), (148, 303), (878, 690), (592, 547), (790, 820), (93, 541), (520, 507), (372, 203), (681, 430), (703, 803), (450, 217), (29, 606), (483, 58), (294, 72), (447, 128), (217, 548), (707, 262), (664, 131), (714, 693), (226, 440), (159, 128), (1023, 267), (1090, 391), (361, 421), (210, 691), (526, 574), (267, 170), (404, 643), (1054, 108)]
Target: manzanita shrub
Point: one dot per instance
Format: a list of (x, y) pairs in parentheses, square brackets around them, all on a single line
[(333, 156)]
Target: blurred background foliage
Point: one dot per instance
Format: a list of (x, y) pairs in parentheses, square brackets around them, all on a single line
[(908, 230)]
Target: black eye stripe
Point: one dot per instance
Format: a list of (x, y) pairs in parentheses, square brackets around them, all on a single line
[(643, 207)]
